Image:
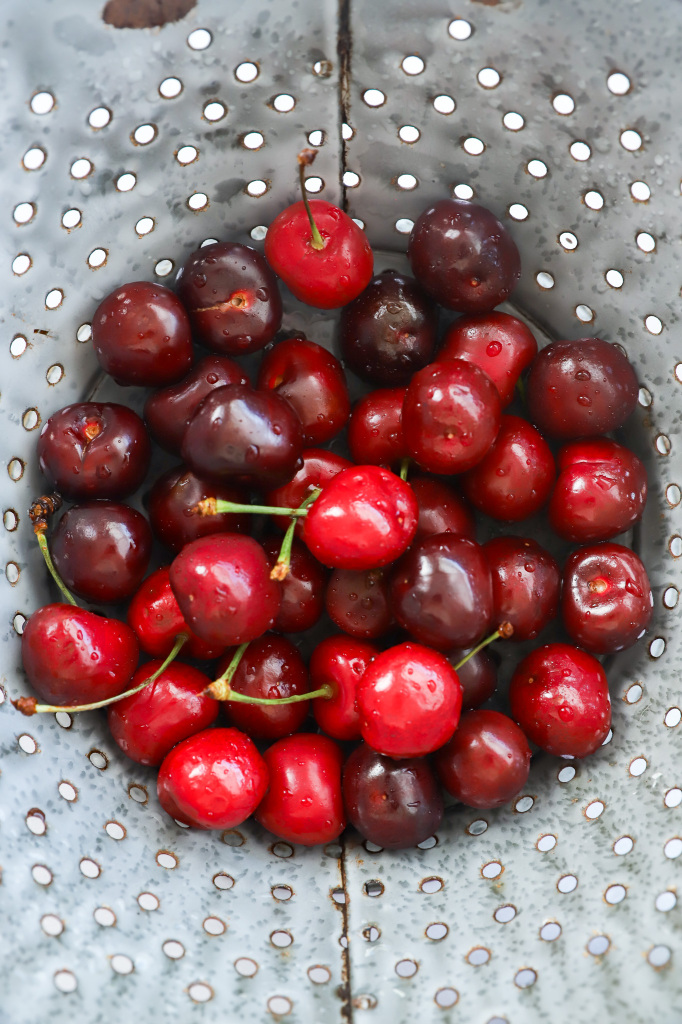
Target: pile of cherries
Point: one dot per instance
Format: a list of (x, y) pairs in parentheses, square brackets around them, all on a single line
[(270, 533)]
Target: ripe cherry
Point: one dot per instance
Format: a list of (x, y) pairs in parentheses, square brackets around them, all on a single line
[(498, 343), (441, 510), (375, 433), (154, 616), (302, 588), (340, 662), (172, 501), (478, 676), (486, 763), (319, 466), (526, 585), (357, 602)]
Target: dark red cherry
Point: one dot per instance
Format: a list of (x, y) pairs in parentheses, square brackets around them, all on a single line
[(515, 477), (304, 803), (375, 433), (214, 779), (560, 697), (141, 335), (319, 467), (302, 588), (172, 503), (409, 700), (526, 585), (606, 602), (357, 602), (389, 331), (94, 450), (486, 763), (601, 491), (237, 432), (313, 381), (498, 343), (478, 676), (101, 550), (441, 592), (232, 297), (464, 256), (149, 724), (581, 388), (72, 656), (339, 661), (451, 416), (167, 412), (155, 617), (394, 804), (222, 584), (441, 510)]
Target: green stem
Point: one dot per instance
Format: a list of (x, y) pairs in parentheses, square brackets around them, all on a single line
[(505, 630), (281, 567), (220, 687), (42, 541), (325, 691), (404, 468), (316, 239), (218, 506)]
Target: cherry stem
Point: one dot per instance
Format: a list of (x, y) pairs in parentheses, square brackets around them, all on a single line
[(305, 158), (281, 567), (404, 468), (325, 691), (220, 687), (42, 542), (217, 506), (504, 631)]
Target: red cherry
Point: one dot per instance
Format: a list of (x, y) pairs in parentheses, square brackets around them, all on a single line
[(498, 343), (154, 616), (526, 585), (441, 510), (357, 602), (478, 676), (339, 661), (486, 763), (214, 779), (409, 700), (375, 433), (560, 697), (319, 467), (149, 723), (302, 588), (172, 502), (304, 804)]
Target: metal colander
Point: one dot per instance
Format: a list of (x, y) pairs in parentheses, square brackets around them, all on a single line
[(121, 151)]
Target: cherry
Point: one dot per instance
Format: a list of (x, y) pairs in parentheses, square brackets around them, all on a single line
[(441, 592), (339, 661), (560, 697), (606, 601), (271, 667), (441, 510), (526, 585), (214, 779), (375, 433), (394, 804), (171, 506), (487, 761), (318, 250), (498, 343), (451, 416), (581, 388), (222, 584), (463, 256), (364, 518), (154, 616), (167, 412), (313, 381), (232, 297), (101, 550), (357, 602), (240, 433), (409, 700), (141, 335), (302, 588), (150, 723), (515, 477), (94, 450), (389, 331), (478, 676), (601, 491), (319, 467)]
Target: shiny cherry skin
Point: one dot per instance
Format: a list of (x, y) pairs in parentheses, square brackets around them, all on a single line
[(394, 804), (478, 676), (463, 256), (141, 335), (172, 501), (154, 616), (238, 432), (326, 278), (375, 433), (340, 662), (302, 588), (601, 490), (364, 518), (167, 412), (214, 779), (441, 592), (498, 343), (409, 700), (94, 450), (148, 725), (441, 510), (560, 697), (606, 602), (313, 382), (304, 804), (272, 668), (389, 331), (515, 477), (487, 761), (73, 656), (357, 602), (451, 416), (319, 467), (526, 585), (580, 388), (232, 298), (222, 584), (101, 550)]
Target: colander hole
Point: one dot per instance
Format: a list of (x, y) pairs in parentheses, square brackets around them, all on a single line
[(347, 132), (459, 29), (280, 1006), (638, 766), (372, 847), (623, 846), (10, 520), (584, 313), (98, 759), (546, 843), (594, 200), (21, 263), (166, 860), (144, 226), (232, 837), (537, 168), (477, 827), (633, 694), (186, 154), (406, 181), (41, 875), (492, 869), (27, 743), (12, 574), (339, 896), (406, 968), (258, 187), (659, 956), (99, 118), (375, 888), (42, 102), (18, 346), (35, 822), (517, 211), (645, 398), (64, 719), (163, 268), (253, 140), (281, 939), (525, 977), (513, 121), (550, 931), (645, 241), (214, 926), (258, 232), (671, 597), (200, 992), (89, 868), (640, 191), (580, 151), (567, 883), (144, 134), (115, 830), (282, 893), (478, 956), (169, 88), (97, 258), (54, 298), (444, 104), (463, 191), (666, 901), (524, 804), (199, 39), (67, 791), (544, 280), (412, 65), (199, 200), (51, 925), (473, 146), (319, 975), (173, 949), (505, 914), (673, 798), (631, 140), (283, 850), (284, 103), (653, 324), (673, 717), (323, 68), (23, 213), (446, 998), (404, 225), (371, 933), (214, 110), (656, 649), (122, 964), (489, 78), (126, 181), (428, 844), (34, 158), (598, 945), (54, 374), (314, 184), (618, 83), (247, 71), (614, 278), (436, 931), (351, 179), (673, 848), (563, 103), (246, 967), (615, 894), (15, 469), (105, 917), (81, 168), (316, 137), (65, 981), (566, 774), (408, 133), (148, 901), (568, 241)]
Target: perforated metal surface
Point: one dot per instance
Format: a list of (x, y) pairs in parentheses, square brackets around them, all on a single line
[(609, 880)]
